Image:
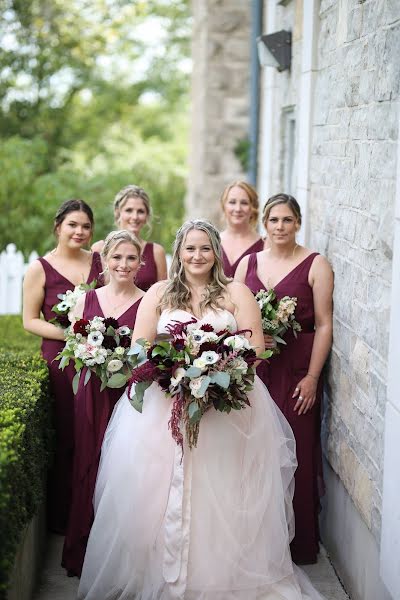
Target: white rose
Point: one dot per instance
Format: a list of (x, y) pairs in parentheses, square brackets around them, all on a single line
[(199, 363), (115, 365), (237, 342), (178, 376)]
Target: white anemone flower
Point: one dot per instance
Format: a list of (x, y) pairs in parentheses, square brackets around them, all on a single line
[(95, 338), (209, 357)]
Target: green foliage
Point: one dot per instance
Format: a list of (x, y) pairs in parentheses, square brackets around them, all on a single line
[(25, 437), (93, 96), (14, 337), (242, 152)]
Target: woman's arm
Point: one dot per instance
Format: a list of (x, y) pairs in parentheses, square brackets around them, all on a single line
[(321, 280), (161, 262), (33, 296), (247, 313), (147, 314), (241, 271)]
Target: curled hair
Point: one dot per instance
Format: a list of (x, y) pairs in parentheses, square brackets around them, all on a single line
[(131, 191), (69, 206), (177, 292), (281, 199), (251, 193), (117, 237)]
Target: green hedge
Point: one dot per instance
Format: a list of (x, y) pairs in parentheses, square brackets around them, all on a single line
[(25, 436)]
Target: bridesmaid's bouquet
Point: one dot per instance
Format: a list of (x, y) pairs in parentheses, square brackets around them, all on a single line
[(63, 309), (277, 316), (200, 368), (101, 345)]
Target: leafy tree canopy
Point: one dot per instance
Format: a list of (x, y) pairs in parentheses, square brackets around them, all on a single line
[(93, 95)]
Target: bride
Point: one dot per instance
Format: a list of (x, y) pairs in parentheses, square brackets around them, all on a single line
[(215, 523)]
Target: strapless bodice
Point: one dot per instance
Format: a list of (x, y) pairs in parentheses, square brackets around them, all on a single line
[(219, 319)]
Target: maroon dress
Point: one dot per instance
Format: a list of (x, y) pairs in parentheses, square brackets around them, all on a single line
[(147, 274), (281, 375), (229, 269), (60, 476), (93, 410)]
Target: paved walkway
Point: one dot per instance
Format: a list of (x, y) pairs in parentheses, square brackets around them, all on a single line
[(55, 585)]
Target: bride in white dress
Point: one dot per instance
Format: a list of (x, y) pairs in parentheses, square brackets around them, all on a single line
[(216, 523)]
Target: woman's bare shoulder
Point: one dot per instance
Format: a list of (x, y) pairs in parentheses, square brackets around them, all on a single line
[(98, 246)]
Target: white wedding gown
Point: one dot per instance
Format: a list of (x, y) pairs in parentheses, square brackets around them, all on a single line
[(213, 526)]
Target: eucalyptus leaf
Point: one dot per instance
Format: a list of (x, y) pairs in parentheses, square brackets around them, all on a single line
[(117, 380), (75, 382), (279, 340), (194, 412), (193, 372), (221, 378), (87, 376), (204, 385)]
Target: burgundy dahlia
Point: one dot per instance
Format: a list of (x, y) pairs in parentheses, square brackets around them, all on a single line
[(80, 326)]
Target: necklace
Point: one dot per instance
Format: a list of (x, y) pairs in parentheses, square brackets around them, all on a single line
[(114, 307)]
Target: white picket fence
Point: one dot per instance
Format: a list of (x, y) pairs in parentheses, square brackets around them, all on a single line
[(12, 271)]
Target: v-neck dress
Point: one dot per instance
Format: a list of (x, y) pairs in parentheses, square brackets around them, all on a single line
[(147, 274), (281, 375), (230, 269), (93, 410), (60, 476)]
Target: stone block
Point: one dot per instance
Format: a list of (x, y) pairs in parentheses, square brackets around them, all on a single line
[(383, 160), (383, 121), (229, 21), (391, 11), (360, 360)]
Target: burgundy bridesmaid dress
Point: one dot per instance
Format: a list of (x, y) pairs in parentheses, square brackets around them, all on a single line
[(229, 269), (147, 274), (93, 410), (281, 375), (60, 476)]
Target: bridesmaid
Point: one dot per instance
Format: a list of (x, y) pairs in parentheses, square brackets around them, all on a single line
[(119, 299), (293, 377), (62, 269), (132, 211), (239, 202)]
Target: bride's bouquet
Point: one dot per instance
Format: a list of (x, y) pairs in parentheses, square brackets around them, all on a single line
[(278, 316), (200, 368), (101, 345), (63, 309)]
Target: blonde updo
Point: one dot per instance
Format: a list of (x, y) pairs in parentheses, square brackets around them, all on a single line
[(251, 193), (117, 237), (131, 191), (281, 199)]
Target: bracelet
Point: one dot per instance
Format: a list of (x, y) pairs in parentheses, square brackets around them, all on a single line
[(313, 376)]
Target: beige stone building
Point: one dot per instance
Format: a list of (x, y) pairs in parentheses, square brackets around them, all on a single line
[(325, 130)]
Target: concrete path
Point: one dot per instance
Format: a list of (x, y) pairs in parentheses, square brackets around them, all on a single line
[(55, 585)]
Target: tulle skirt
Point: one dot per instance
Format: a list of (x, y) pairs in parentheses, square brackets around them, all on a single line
[(213, 524)]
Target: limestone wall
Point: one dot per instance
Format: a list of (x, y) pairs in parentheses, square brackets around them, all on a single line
[(353, 170), (220, 100)]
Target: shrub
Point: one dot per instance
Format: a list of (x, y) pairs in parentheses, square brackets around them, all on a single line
[(25, 437)]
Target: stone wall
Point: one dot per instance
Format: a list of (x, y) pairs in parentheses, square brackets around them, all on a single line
[(220, 101), (353, 170)]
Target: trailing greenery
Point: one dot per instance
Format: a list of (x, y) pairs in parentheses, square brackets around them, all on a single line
[(25, 437)]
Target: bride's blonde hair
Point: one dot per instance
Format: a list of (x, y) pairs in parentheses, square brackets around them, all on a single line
[(177, 293)]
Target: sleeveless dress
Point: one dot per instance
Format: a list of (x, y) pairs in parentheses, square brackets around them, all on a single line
[(229, 269), (147, 274), (213, 524), (60, 476), (93, 410), (281, 376)]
